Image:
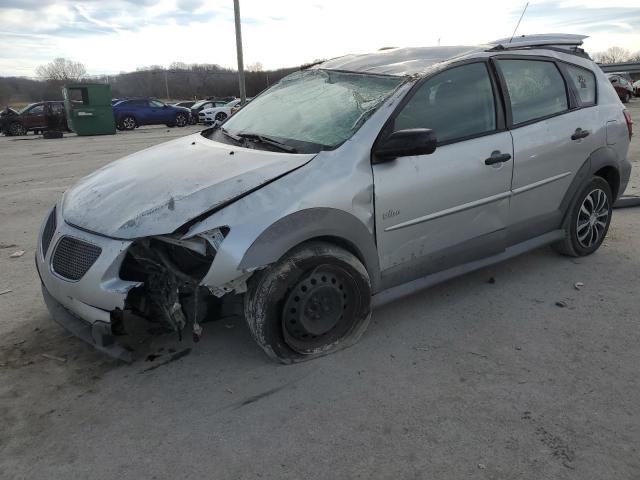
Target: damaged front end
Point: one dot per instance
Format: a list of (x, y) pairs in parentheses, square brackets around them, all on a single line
[(170, 271)]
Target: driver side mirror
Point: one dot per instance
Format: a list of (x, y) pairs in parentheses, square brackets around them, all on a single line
[(405, 143)]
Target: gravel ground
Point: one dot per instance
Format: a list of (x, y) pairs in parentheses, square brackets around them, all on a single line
[(470, 379)]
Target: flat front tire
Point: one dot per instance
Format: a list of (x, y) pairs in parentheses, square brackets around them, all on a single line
[(315, 300), (588, 219)]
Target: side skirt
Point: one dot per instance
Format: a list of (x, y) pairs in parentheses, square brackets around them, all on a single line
[(414, 286)]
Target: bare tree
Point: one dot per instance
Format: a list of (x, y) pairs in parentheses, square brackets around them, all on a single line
[(255, 67), (61, 70), (612, 55), (635, 57)]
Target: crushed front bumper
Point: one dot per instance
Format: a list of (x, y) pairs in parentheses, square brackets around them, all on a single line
[(83, 305), (97, 334)]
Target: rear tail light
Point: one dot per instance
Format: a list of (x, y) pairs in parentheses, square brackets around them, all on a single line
[(627, 117)]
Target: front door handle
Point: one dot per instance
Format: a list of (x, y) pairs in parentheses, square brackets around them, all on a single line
[(579, 133), (497, 157)]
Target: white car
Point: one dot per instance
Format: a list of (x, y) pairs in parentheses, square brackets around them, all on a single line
[(209, 116)]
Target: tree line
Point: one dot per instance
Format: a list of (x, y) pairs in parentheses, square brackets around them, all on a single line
[(180, 81)]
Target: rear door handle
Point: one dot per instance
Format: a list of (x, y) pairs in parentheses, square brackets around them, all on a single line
[(579, 133), (497, 157)]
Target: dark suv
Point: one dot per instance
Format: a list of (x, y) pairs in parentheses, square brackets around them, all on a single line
[(32, 118)]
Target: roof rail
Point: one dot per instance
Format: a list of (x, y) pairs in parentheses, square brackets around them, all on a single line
[(545, 40)]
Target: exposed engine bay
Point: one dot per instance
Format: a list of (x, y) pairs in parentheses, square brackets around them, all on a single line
[(171, 295)]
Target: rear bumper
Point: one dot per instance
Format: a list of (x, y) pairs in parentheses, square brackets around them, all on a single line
[(625, 173)]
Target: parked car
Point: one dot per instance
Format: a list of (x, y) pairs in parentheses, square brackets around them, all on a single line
[(622, 86), (188, 104), (134, 112), (341, 187), (6, 116), (32, 118), (220, 113), (204, 104)]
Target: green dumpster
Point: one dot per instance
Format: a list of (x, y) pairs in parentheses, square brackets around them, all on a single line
[(88, 108)]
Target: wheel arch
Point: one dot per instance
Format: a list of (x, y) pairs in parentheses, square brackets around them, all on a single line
[(326, 224), (604, 163)]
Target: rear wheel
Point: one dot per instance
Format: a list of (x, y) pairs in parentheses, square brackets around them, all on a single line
[(626, 98), (127, 123), (588, 220), (315, 300)]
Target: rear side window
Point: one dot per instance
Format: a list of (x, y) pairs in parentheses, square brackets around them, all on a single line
[(455, 104), (536, 89), (584, 81)]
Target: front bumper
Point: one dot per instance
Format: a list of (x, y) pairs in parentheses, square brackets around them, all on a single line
[(97, 334), (84, 306)]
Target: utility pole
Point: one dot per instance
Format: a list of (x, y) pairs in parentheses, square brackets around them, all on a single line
[(243, 92), (166, 84)]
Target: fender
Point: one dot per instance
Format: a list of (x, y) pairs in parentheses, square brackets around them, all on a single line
[(600, 158), (313, 223)]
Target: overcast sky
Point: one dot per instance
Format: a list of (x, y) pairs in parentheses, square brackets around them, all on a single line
[(120, 35)]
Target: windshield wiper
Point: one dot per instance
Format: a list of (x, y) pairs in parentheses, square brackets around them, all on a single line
[(267, 141), (230, 135)]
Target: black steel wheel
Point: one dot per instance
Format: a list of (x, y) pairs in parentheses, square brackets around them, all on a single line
[(588, 219), (315, 300)]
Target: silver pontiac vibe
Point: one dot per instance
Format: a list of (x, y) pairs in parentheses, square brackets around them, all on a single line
[(343, 186)]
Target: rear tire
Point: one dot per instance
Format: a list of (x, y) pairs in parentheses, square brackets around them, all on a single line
[(127, 123), (588, 219), (315, 300), (626, 98)]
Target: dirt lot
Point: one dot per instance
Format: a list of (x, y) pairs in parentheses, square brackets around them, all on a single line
[(471, 379)]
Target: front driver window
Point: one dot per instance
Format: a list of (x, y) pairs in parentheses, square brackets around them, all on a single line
[(455, 104)]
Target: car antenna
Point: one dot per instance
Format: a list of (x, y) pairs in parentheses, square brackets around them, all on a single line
[(518, 24)]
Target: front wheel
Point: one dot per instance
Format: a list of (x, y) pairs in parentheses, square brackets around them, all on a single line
[(588, 220), (313, 301), (17, 129), (181, 120), (220, 116)]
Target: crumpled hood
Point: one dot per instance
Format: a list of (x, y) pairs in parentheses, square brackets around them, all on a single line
[(159, 189)]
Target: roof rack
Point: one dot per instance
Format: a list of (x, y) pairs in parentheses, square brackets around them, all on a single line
[(561, 42), (545, 40)]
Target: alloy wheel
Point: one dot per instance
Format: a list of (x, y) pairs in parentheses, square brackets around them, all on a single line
[(592, 218), (129, 123)]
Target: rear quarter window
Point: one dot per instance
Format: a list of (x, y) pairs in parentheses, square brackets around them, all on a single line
[(584, 82), (536, 89)]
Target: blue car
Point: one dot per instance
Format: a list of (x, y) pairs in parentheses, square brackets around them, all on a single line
[(133, 112)]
